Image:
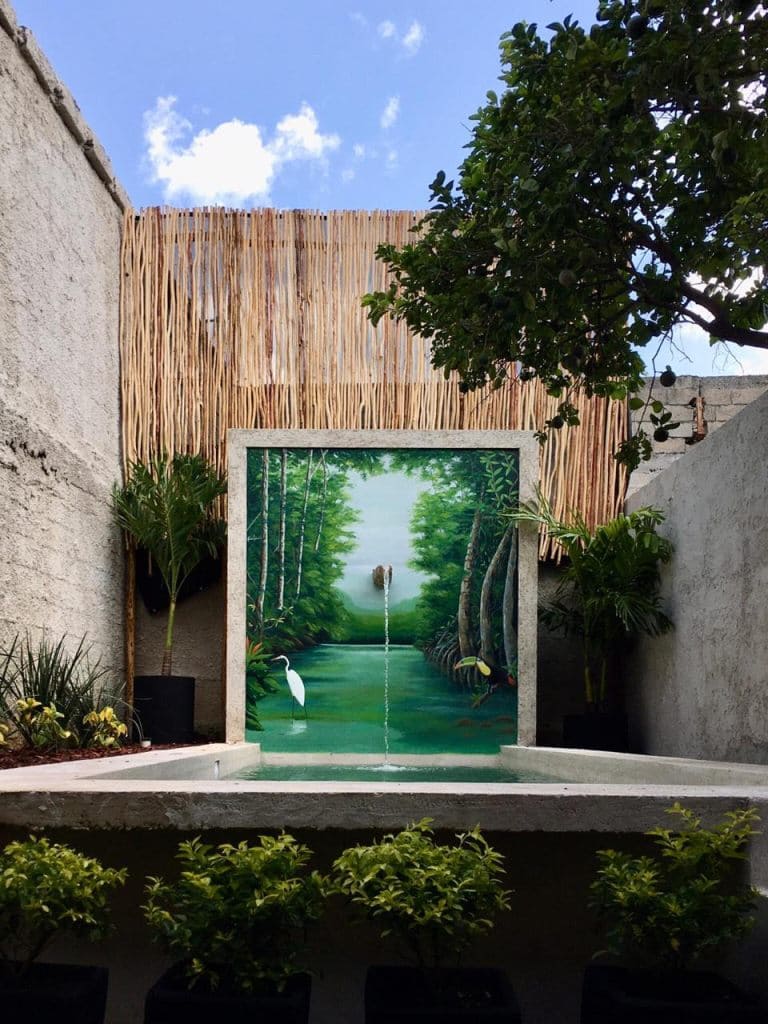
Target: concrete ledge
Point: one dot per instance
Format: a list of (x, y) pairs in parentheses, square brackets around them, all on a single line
[(632, 769), (111, 795), (64, 104)]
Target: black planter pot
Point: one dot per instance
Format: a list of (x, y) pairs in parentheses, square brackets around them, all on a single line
[(597, 730), (396, 995), (55, 993), (165, 708), (634, 996), (171, 1001)]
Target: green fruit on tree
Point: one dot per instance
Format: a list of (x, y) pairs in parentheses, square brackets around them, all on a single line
[(567, 278), (637, 26)]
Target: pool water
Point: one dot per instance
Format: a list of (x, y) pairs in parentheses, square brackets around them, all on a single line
[(385, 773), (344, 685)]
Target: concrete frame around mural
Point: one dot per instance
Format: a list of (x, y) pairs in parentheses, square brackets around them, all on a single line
[(239, 441)]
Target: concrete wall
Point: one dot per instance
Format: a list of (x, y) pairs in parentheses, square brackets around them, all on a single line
[(723, 398), (702, 691), (60, 225)]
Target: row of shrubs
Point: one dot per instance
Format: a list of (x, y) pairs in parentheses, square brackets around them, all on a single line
[(52, 697), (236, 913)]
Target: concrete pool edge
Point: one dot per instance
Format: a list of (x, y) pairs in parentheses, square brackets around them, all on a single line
[(108, 795)]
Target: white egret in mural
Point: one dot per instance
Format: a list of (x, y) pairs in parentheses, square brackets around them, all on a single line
[(295, 685)]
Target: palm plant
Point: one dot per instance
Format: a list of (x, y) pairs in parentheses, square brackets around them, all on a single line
[(609, 590), (167, 508)]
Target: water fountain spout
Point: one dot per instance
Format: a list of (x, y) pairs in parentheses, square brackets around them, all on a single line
[(382, 576)]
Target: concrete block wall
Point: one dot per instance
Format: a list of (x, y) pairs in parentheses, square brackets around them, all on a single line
[(723, 397), (60, 229), (702, 691)]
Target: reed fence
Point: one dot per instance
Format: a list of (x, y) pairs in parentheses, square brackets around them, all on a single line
[(252, 319)]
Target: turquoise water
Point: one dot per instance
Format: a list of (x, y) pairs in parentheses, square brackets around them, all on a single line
[(344, 684), (384, 773)]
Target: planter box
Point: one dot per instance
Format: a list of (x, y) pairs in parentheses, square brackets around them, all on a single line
[(56, 993), (171, 1001), (597, 730), (165, 708), (664, 997), (400, 995)]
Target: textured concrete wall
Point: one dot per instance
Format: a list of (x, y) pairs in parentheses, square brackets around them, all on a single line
[(59, 390), (198, 650), (702, 691), (723, 397)]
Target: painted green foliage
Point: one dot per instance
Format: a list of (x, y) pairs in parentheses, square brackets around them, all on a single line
[(302, 523), (616, 188)]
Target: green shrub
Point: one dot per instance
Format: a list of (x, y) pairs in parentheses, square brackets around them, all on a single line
[(685, 902), (47, 889), (434, 899), (237, 912), (46, 691)]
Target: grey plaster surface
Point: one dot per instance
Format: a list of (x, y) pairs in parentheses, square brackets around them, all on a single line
[(238, 441), (702, 690), (59, 388), (163, 789)]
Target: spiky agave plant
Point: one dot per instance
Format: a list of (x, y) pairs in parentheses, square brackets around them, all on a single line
[(609, 590), (166, 507)]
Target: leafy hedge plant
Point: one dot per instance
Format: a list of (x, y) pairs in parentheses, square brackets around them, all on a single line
[(237, 913), (434, 899), (47, 889), (687, 901)]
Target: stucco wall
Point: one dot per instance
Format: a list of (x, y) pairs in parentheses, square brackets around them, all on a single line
[(59, 390), (702, 691)]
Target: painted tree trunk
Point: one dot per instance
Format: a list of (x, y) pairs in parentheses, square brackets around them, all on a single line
[(303, 524), (464, 614), (281, 540), (487, 652), (264, 563), (509, 626), (323, 501)]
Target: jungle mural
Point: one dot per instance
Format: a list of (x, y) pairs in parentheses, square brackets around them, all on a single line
[(381, 599)]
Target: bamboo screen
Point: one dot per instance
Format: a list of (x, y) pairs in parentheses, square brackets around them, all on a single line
[(253, 320)]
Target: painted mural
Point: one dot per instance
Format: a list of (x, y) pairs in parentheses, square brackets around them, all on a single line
[(381, 600)]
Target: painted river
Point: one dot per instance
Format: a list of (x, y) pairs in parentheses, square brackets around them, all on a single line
[(344, 683)]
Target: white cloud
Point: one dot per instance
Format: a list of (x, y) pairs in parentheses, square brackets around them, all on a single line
[(392, 158), (233, 162), (358, 151), (413, 38), (347, 175), (410, 41), (390, 112)]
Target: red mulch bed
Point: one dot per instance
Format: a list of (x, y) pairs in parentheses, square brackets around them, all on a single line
[(28, 757)]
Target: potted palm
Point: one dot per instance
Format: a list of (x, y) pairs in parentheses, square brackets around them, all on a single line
[(237, 916), (663, 915), (166, 508), (608, 595), (50, 890), (434, 900)]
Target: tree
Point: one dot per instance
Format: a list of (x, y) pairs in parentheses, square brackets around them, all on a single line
[(616, 189)]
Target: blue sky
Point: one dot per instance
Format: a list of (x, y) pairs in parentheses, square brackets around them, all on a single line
[(320, 105)]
